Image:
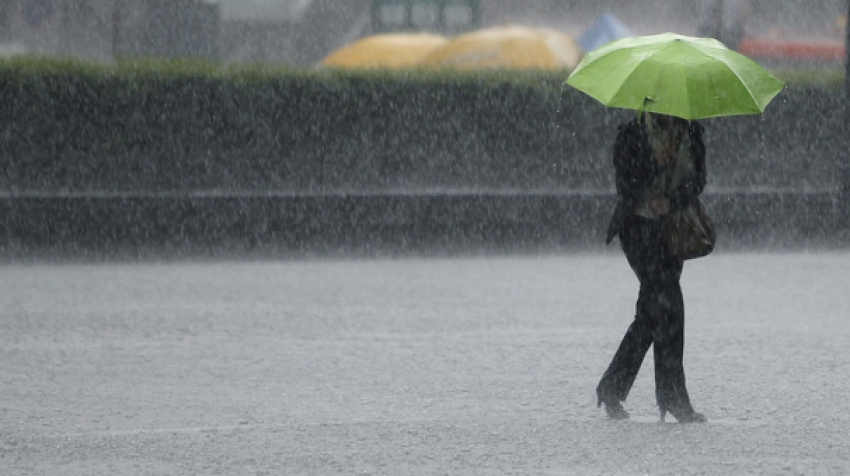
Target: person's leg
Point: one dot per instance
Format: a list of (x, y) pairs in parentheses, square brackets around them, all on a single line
[(623, 369), (620, 375), (669, 337), (669, 341)]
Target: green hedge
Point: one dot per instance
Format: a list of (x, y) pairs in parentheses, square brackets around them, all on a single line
[(194, 126)]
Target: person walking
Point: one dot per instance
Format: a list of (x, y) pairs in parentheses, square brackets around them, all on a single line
[(660, 167)]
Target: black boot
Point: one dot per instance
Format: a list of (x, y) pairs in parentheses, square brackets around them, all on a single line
[(613, 407), (687, 415)]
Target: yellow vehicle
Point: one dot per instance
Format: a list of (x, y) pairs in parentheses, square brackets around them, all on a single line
[(441, 16)]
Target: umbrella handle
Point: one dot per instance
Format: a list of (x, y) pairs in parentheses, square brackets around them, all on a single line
[(642, 108)]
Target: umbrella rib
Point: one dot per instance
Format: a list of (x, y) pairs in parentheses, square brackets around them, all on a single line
[(624, 82), (732, 67), (745, 85), (713, 85), (636, 68)]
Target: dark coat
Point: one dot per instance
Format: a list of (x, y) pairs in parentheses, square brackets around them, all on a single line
[(636, 170)]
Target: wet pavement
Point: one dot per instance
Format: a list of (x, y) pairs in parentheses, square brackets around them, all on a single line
[(413, 366)]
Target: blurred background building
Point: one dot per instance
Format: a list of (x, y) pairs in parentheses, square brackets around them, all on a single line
[(301, 32)]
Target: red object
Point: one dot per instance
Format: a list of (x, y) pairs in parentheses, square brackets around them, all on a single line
[(811, 50)]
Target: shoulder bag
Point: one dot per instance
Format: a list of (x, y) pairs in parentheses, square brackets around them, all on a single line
[(689, 232)]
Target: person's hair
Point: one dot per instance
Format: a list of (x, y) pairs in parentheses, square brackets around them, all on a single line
[(664, 121), (665, 132)]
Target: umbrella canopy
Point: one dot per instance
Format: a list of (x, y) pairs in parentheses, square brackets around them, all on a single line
[(391, 51), (691, 78), (508, 47)]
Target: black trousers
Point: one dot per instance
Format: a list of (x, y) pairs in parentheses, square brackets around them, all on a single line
[(659, 319)]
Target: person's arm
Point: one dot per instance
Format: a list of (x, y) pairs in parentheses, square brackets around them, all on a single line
[(694, 181), (635, 168)]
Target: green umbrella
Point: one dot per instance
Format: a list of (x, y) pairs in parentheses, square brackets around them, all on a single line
[(691, 78)]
